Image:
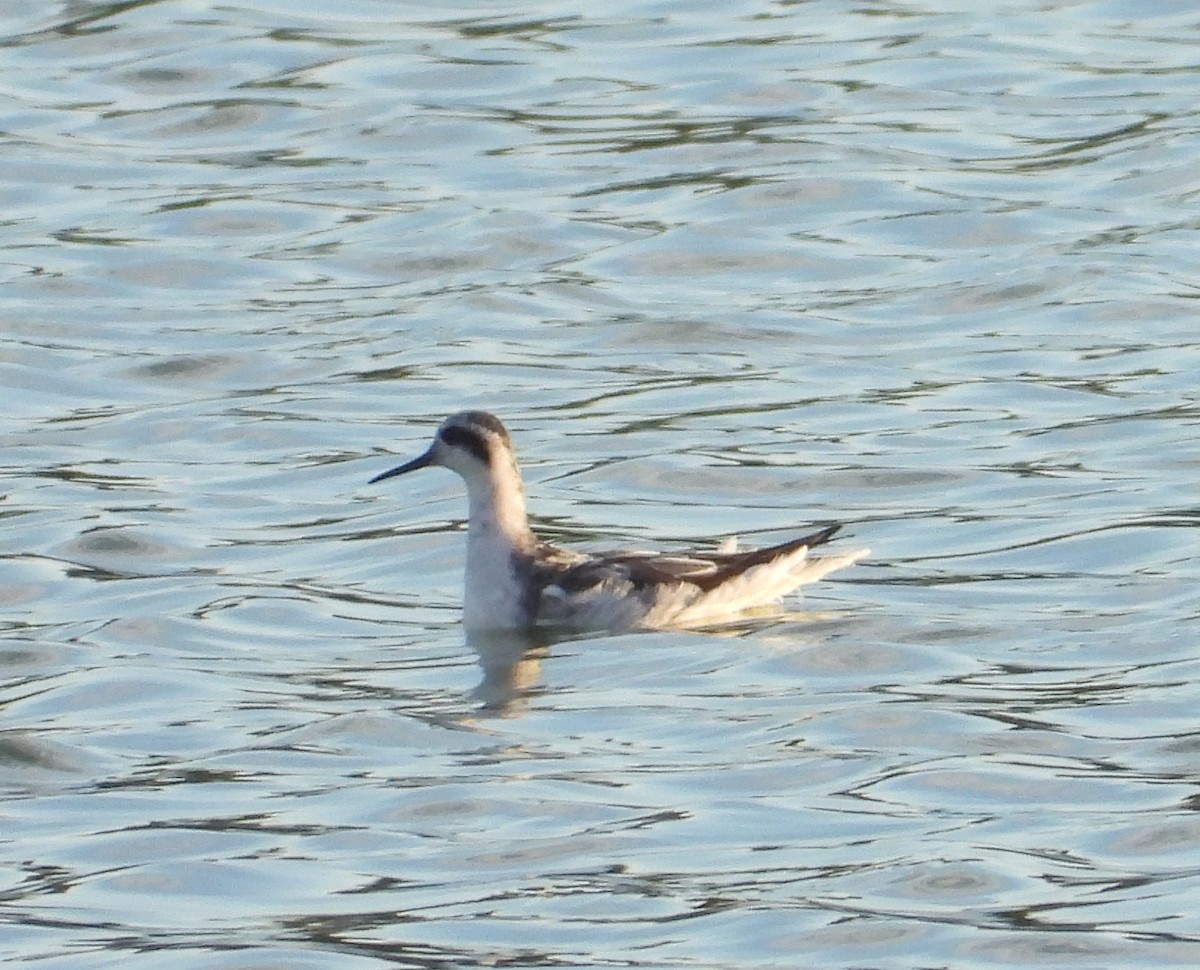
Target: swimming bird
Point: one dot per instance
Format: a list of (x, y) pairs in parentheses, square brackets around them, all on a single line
[(516, 581)]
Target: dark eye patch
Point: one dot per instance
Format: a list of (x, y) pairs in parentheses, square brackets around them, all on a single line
[(467, 440)]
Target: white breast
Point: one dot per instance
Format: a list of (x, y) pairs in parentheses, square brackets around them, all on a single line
[(492, 595)]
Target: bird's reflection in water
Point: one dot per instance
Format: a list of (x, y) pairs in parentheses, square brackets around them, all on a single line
[(512, 662)]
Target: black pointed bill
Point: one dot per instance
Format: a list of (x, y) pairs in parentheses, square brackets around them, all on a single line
[(421, 461)]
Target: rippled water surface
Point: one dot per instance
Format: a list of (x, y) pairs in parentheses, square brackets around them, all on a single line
[(723, 267)]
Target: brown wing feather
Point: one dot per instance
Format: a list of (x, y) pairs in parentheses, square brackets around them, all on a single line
[(730, 564), (705, 570)]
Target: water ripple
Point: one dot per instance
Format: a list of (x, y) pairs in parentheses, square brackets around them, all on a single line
[(723, 269)]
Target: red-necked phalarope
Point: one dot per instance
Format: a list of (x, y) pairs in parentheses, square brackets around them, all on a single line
[(515, 581)]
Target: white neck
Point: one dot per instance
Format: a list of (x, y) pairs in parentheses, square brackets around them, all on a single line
[(497, 509), (497, 533)]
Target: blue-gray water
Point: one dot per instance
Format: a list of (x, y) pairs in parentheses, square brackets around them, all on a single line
[(724, 267)]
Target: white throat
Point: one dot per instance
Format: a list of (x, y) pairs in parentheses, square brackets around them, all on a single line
[(497, 535), (497, 503)]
